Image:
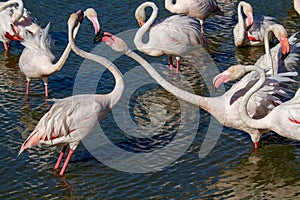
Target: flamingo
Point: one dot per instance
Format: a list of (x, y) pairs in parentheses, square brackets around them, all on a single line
[(199, 9), (224, 108), (14, 17), (283, 119), (175, 36), (297, 6), (71, 119), (251, 31), (36, 60), (284, 56)]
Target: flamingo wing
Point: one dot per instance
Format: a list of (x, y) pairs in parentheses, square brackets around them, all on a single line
[(69, 120), (177, 33)]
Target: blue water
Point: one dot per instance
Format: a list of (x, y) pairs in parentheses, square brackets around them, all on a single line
[(231, 170)]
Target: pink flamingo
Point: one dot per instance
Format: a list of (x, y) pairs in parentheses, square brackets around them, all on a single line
[(224, 108), (71, 119), (199, 9), (36, 60), (250, 32), (175, 36), (283, 119), (14, 17)]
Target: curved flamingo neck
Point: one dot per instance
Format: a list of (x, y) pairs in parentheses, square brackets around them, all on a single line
[(240, 15), (267, 50), (119, 83), (198, 100), (254, 123), (138, 39), (19, 11)]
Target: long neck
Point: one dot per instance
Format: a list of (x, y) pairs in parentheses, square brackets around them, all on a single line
[(203, 102), (63, 58), (20, 9), (240, 15), (119, 83), (138, 39), (268, 52), (254, 123)]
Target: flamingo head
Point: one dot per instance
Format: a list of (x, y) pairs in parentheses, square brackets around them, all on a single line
[(249, 20), (140, 18), (281, 34), (140, 13), (116, 43), (91, 14), (232, 73), (247, 9)]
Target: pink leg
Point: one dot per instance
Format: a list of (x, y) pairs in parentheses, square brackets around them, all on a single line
[(6, 46), (62, 171), (27, 86), (61, 155), (177, 64), (46, 89), (171, 63), (256, 145)]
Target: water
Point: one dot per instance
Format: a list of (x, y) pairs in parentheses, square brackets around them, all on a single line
[(231, 170)]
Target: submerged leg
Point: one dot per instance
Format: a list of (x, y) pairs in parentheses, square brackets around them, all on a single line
[(61, 155), (27, 86), (46, 86), (6, 46), (46, 89), (171, 62), (177, 64), (256, 145), (62, 171)]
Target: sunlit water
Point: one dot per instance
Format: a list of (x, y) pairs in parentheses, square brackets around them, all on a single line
[(231, 170)]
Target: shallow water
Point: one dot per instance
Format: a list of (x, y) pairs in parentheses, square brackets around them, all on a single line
[(148, 146)]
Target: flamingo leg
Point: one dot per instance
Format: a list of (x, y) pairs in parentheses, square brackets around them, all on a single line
[(177, 64), (61, 155), (171, 63), (6, 46), (202, 27), (46, 89), (66, 162), (27, 86)]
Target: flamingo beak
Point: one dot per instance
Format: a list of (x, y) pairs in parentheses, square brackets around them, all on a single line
[(80, 14), (96, 25), (223, 77), (285, 47), (249, 20), (99, 37), (141, 23)]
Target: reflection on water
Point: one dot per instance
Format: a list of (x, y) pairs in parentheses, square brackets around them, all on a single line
[(232, 170)]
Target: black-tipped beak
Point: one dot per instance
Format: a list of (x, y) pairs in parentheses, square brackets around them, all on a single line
[(283, 56), (98, 37), (248, 27)]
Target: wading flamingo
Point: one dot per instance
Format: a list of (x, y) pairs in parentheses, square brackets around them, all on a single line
[(283, 119), (174, 36), (250, 32), (224, 108), (71, 119), (199, 9), (284, 56), (36, 60), (14, 17)]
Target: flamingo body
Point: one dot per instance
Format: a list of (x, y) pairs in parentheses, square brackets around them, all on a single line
[(174, 36)]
